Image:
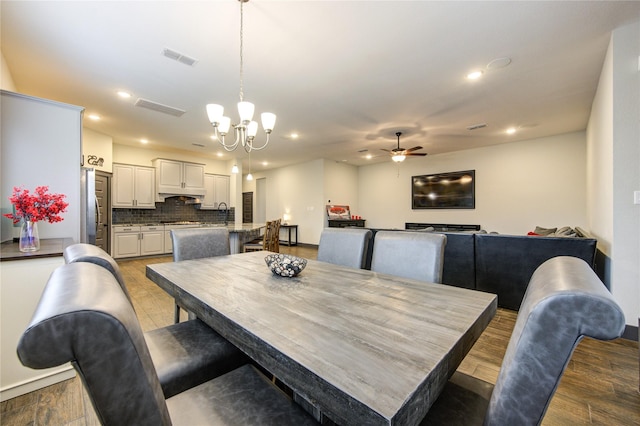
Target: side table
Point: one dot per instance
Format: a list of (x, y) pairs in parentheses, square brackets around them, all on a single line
[(288, 228)]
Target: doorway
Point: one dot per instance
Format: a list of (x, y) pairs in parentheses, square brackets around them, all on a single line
[(261, 200), (103, 216), (247, 207)]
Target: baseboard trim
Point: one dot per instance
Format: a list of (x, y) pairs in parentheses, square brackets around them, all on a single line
[(60, 374)]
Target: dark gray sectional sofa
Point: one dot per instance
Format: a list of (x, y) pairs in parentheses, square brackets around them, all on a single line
[(502, 264)]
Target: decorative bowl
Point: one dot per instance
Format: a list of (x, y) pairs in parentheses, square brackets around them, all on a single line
[(285, 265)]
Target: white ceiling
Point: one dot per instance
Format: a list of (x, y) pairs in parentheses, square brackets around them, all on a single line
[(344, 75)]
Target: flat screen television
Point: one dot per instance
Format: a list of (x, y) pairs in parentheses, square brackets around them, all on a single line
[(455, 190)]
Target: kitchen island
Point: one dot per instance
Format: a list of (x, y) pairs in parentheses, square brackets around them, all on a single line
[(152, 239), (241, 233)]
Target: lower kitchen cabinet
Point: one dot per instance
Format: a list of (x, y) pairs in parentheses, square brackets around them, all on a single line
[(151, 240), (133, 241)]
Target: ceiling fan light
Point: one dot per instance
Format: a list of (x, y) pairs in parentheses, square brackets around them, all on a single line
[(398, 158), (245, 109)]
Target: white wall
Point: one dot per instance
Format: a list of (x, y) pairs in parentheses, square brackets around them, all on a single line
[(41, 147), (518, 186), (613, 139), (341, 185), (298, 191), (6, 79), (98, 145)]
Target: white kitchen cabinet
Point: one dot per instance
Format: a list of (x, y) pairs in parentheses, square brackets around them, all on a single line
[(216, 191), (136, 240), (133, 187), (126, 241), (151, 240), (179, 178)]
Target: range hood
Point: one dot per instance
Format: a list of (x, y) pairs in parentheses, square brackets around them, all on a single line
[(187, 199)]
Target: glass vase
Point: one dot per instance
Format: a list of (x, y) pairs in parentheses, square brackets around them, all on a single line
[(29, 238)]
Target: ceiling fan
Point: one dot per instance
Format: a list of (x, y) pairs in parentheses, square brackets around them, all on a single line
[(399, 154)]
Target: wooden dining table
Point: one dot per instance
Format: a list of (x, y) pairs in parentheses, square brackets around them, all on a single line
[(360, 347)]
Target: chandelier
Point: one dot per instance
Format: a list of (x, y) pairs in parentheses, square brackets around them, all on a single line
[(247, 129)]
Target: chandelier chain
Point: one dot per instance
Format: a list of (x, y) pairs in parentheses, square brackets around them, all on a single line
[(241, 46)]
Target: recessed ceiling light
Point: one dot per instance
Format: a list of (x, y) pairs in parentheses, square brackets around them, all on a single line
[(94, 117), (294, 136), (265, 163), (144, 141), (219, 154), (124, 95), (368, 156), (510, 130), (474, 75)]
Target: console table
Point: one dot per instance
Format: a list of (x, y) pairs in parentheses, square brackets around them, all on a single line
[(288, 228), (345, 223)]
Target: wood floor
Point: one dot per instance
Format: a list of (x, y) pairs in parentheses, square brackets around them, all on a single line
[(600, 385)]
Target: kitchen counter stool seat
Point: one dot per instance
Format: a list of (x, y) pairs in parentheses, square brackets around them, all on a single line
[(184, 354)]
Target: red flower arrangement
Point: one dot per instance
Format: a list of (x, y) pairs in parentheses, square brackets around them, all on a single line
[(37, 206)]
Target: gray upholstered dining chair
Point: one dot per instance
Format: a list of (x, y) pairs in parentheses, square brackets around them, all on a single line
[(198, 243), (184, 354), (416, 255), (83, 317), (564, 302), (344, 246)]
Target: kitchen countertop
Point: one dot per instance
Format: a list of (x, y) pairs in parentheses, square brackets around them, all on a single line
[(50, 247), (232, 227)]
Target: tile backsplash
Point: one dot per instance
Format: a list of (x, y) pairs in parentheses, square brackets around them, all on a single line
[(173, 209)]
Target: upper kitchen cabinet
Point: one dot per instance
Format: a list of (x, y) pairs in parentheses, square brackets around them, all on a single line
[(216, 192), (179, 178), (133, 186)]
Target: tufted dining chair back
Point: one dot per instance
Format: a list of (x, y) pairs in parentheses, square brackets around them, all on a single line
[(197, 243), (416, 255), (564, 302), (83, 317), (344, 246)]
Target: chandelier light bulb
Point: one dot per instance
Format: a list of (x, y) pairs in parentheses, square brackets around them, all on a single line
[(225, 124), (234, 169), (252, 129), (214, 112), (268, 121), (245, 110)]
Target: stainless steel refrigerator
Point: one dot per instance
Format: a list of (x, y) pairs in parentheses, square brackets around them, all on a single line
[(89, 217)]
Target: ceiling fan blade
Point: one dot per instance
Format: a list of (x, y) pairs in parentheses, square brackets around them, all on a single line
[(418, 154), (385, 150), (415, 148)]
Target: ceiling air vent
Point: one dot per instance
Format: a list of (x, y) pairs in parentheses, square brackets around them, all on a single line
[(177, 56), (477, 126), (145, 103)]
